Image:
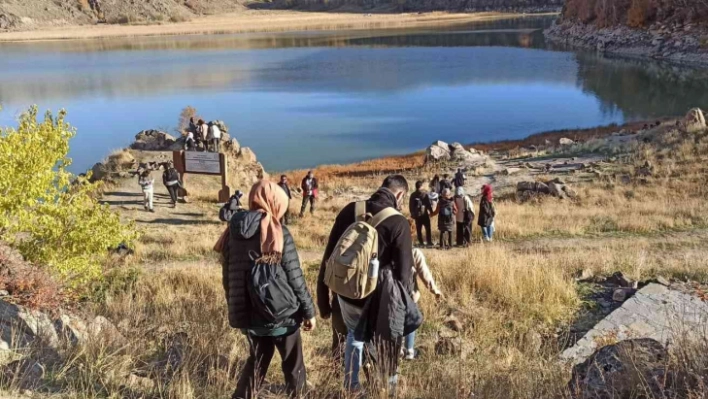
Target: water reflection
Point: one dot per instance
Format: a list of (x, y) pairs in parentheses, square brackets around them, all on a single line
[(371, 92)]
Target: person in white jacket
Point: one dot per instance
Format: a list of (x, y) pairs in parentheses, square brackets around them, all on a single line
[(214, 137), (464, 217), (146, 182), (420, 271)]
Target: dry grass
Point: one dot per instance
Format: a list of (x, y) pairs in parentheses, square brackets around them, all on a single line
[(516, 298)]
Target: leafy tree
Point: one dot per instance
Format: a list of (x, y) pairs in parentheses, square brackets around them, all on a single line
[(52, 217)]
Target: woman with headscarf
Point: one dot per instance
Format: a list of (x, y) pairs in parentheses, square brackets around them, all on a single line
[(446, 211), (487, 213), (463, 217), (252, 240)]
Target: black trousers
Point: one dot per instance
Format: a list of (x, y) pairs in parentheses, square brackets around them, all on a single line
[(305, 199), (424, 221), (446, 239), (256, 368), (464, 233), (339, 333), (173, 189)]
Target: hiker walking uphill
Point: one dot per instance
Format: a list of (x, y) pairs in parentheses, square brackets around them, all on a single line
[(487, 213), (446, 211), (435, 184), (284, 185), (459, 179), (171, 180), (147, 184), (309, 193), (232, 207), (421, 208), (379, 307), (464, 217), (266, 292)]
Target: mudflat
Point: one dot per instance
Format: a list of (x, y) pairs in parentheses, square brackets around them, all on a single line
[(255, 21)]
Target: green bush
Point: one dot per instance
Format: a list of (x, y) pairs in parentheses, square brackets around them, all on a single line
[(52, 217)]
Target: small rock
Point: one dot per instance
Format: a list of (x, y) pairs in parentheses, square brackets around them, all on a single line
[(694, 121), (622, 294), (4, 293), (565, 141), (663, 281), (453, 323), (140, 383), (620, 280), (585, 275)]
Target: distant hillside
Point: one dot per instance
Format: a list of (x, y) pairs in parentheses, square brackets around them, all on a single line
[(38, 14), (635, 13), (28, 14), (425, 5)]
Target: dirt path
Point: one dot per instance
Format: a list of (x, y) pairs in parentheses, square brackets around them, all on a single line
[(256, 21)]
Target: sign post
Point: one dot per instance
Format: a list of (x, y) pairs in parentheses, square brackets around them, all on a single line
[(203, 163)]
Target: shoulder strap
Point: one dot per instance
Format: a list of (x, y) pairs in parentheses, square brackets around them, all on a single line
[(383, 215), (360, 211)]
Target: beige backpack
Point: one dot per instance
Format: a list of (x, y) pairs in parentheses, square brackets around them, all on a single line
[(348, 268)]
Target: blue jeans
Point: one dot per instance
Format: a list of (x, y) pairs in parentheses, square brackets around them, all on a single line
[(488, 232), (353, 355), (410, 341)]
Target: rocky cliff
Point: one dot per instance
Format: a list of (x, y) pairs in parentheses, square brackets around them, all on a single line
[(671, 30), (426, 5)]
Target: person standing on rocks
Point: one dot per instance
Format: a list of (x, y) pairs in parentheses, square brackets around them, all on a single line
[(214, 137), (284, 185), (395, 263), (446, 211), (203, 132), (464, 217), (147, 183), (267, 307), (310, 188), (171, 180), (487, 213), (460, 178), (421, 208)]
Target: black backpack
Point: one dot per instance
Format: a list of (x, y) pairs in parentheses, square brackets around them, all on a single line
[(172, 174), (417, 208), (446, 212), (270, 293), (459, 180)]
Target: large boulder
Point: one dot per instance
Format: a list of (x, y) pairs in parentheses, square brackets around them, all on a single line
[(439, 151), (154, 140), (99, 171), (622, 371), (694, 121), (533, 186), (121, 160), (247, 155), (19, 326), (565, 141)]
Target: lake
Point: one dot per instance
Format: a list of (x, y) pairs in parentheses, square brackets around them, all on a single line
[(303, 99)]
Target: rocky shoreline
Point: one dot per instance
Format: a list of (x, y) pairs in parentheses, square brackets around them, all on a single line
[(685, 44)]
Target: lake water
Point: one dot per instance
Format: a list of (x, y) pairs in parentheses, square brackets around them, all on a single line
[(302, 99)]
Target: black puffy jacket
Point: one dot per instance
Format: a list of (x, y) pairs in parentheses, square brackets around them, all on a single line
[(486, 213), (244, 238)]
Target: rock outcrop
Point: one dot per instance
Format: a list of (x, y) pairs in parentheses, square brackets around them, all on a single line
[(526, 190), (441, 151), (621, 370), (155, 140), (694, 121)]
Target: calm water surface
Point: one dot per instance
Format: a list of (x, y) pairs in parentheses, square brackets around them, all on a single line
[(302, 99)]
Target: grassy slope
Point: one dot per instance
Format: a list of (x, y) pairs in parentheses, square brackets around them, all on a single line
[(516, 298)]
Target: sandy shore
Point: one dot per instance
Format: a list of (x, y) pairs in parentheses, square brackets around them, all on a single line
[(255, 21)]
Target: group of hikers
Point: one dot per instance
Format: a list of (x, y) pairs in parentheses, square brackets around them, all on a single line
[(367, 283), (170, 178), (454, 209), (202, 135)]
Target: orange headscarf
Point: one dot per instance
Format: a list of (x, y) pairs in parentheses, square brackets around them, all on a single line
[(268, 198)]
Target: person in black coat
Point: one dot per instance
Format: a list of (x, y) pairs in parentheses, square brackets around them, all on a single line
[(284, 185), (445, 183), (395, 253), (258, 236), (421, 208)]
